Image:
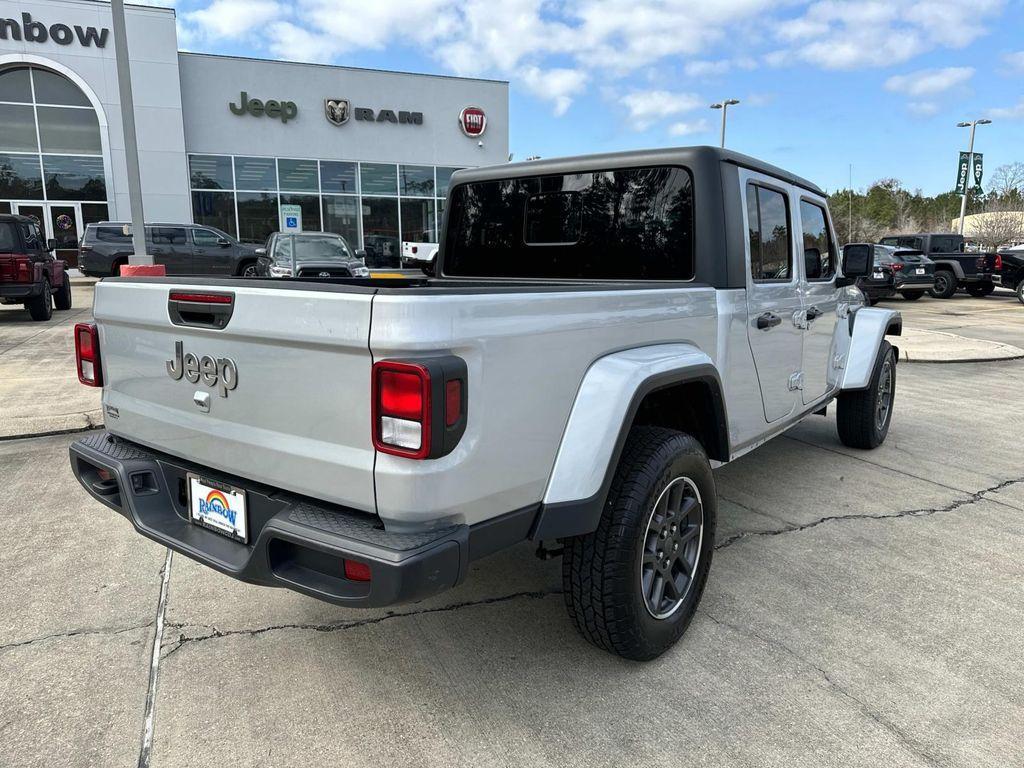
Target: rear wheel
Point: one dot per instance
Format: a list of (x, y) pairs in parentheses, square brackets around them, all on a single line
[(62, 298), (633, 585), (911, 295), (1020, 291), (863, 417), (41, 306), (115, 268), (945, 284)]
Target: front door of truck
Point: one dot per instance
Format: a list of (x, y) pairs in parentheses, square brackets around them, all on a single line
[(773, 296), (820, 298)]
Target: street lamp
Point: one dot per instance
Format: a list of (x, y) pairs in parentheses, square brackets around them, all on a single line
[(970, 165), (724, 106)]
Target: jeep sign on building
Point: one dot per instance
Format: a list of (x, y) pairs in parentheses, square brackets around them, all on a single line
[(227, 141)]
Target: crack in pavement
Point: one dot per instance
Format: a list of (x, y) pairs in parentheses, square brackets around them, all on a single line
[(972, 498), (76, 633), (901, 736), (346, 625)]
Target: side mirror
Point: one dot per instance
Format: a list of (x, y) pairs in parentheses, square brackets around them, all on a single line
[(223, 242), (856, 262), (361, 253), (261, 251), (51, 244)]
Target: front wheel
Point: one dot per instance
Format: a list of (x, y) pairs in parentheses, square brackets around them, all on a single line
[(62, 298), (863, 416), (41, 307), (945, 284), (633, 585), (248, 269), (1020, 291)]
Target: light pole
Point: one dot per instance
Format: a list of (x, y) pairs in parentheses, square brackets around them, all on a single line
[(724, 106), (970, 166), (131, 147)]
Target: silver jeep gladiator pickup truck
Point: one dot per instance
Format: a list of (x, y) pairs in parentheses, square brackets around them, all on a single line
[(600, 333)]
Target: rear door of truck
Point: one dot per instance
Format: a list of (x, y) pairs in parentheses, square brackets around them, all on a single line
[(295, 411)]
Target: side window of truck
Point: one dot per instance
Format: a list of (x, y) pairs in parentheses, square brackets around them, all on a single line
[(819, 250), (770, 247), (8, 238), (33, 240)]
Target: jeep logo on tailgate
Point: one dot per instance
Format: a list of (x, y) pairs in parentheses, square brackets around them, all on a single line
[(220, 372)]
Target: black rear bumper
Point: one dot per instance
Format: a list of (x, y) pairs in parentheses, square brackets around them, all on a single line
[(294, 542), (20, 291)]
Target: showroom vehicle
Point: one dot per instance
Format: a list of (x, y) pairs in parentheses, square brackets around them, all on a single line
[(1011, 270), (29, 273), (419, 256), (382, 251), (183, 249), (913, 272), (974, 272), (602, 331), (309, 255)]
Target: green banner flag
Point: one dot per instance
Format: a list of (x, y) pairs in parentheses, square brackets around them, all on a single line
[(977, 172), (963, 172)]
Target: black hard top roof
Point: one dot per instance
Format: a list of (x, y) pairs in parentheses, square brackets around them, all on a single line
[(696, 158), (14, 217)]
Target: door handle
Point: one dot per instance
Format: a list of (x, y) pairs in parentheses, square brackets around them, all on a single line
[(814, 312), (768, 320)]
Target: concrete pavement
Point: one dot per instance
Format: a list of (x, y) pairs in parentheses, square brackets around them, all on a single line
[(863, 609)]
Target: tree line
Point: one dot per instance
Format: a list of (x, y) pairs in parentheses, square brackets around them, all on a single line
[(887, 207)]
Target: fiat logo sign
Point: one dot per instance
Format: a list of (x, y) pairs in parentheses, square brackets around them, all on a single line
[(473, 121)]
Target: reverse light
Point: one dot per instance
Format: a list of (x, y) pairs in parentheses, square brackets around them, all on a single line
[(87, 355), (418, 408)]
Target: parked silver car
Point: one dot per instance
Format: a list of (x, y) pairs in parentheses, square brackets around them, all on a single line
[(309, 254)]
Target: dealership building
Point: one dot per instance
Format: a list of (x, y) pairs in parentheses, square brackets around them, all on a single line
[(227, 141)]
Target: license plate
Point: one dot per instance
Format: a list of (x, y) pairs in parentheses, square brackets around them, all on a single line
[(877, 276), (219, 507), (919, 271)]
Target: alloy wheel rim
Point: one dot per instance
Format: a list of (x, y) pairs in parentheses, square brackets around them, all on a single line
[(671, 548), (884, 402)]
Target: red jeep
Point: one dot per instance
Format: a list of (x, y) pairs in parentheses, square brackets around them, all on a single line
[(29, 274)]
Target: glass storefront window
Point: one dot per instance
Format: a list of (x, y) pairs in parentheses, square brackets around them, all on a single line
[(52, 88), (15, 85), (69, 131), (310, 205), (210, 172), (418, 222), (74, 178), (256, 173), (380, 230), (298, 176), (215, 209), (379, 178), (20, 177), (444, 177), (17, 129), (93, 212), (338, 177), (416, 180), (257, 216), (341, 216)]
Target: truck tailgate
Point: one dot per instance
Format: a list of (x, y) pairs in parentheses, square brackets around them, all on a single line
[(298, 416)]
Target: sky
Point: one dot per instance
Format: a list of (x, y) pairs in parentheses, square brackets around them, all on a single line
[(822, 85)]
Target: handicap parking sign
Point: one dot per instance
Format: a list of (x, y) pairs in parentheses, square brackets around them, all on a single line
[(291, 222), (291, 218)]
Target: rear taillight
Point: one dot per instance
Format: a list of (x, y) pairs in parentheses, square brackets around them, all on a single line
[(999, 263), (896, 266), (418, 408), (87, 355)]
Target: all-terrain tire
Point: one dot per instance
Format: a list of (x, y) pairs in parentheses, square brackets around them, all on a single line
[(62, 298), (603, 572), (41, 307), (860, 417), (945, 284), (1020, 291), (911, 295)]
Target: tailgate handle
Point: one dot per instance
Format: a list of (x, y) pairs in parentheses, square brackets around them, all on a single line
[(200, 310)]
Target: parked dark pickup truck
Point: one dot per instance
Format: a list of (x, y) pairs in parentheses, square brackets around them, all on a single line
[(974, 272), (1010, 263), (29, 274)]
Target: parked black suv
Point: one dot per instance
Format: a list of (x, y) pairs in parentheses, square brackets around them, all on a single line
[(954, 267), (184, 249)]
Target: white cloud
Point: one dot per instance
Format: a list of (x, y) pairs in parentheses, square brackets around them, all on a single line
[(1015, 112), (1015, 61), (648, 107), (293, 43), (702, 68), (929, 82), (923, 108), (232, 19), (555, 85), (688, 128)]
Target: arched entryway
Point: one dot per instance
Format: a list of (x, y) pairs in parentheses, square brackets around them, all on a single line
[(53, 158)]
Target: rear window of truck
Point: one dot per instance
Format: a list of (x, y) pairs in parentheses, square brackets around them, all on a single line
[(626, 224)]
